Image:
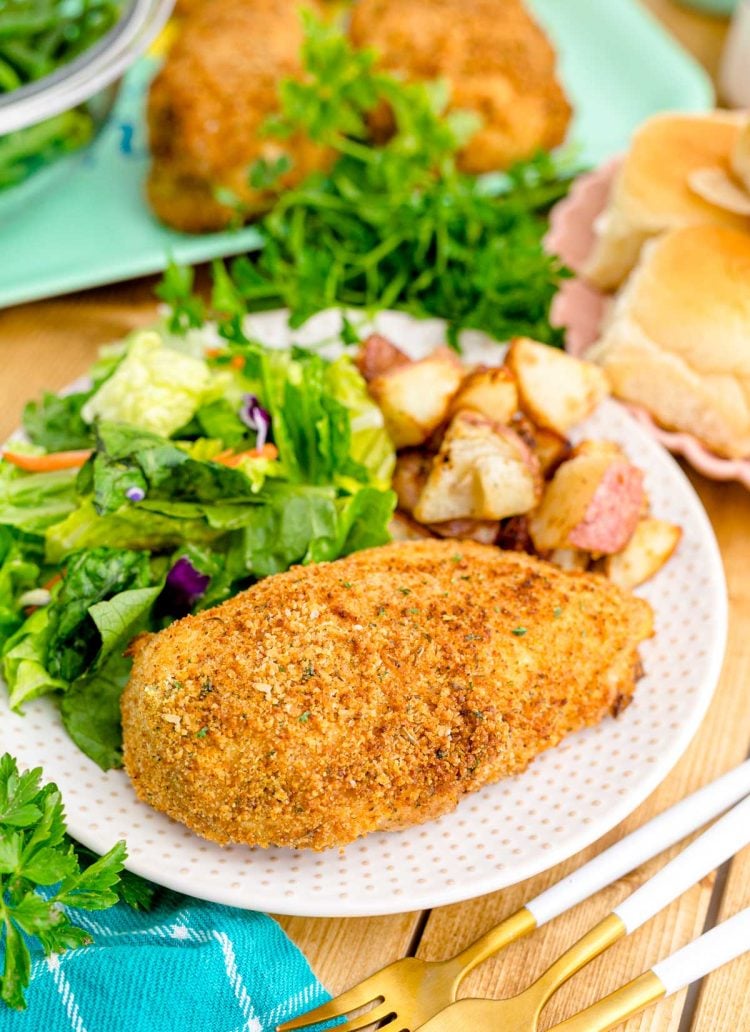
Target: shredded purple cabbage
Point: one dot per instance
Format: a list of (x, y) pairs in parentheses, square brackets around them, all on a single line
[(135, 494), (256, 418), (183, 587)]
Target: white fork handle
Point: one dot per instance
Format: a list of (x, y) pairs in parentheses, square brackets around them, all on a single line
[(722, 840), (643, 844), (723, 943)]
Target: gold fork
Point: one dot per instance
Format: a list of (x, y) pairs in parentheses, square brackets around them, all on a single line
[(701, 956), (413, 990), (521, 1013)]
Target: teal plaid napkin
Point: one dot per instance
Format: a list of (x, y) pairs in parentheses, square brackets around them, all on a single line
[(187, 966)]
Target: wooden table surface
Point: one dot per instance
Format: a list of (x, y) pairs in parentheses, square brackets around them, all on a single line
[(45, 345)]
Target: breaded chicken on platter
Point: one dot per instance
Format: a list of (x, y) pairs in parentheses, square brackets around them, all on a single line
[(372, 692), (496, 59), (208, 104)]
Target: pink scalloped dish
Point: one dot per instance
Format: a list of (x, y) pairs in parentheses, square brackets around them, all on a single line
[(580, 307)]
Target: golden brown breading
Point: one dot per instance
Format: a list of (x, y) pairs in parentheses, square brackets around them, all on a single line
[(373, 692), (208, 103), (495, 57)]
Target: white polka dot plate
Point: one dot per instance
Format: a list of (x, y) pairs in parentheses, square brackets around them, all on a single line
[(570, 796)]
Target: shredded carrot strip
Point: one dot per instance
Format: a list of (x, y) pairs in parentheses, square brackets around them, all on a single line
[(228, 458), (47, 463), (237, 362)]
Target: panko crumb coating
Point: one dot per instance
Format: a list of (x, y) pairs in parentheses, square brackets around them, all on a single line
[(373, 692), (497, 60), (208, 104)]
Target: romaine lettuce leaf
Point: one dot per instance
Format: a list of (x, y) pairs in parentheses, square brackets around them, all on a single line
[(311, 525), (20, 568), (55, 423), (98, 575), (154, 387), (132, 527), (91, 712), (371, 446), (120, 618), (24, 661), (128, 459), (33, 501)]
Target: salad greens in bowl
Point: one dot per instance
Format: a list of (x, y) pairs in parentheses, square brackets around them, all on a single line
[(60, 64), (183, 471)]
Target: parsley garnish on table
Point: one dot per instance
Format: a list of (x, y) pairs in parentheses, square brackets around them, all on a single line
[(36, 853), (397, 225)]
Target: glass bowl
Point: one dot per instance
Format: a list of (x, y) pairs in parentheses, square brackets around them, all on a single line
[(44, 122)]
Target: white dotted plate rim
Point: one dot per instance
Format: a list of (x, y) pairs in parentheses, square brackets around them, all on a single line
[(493, 838)]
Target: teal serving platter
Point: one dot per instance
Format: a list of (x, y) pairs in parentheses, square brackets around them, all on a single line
[(85, 222)]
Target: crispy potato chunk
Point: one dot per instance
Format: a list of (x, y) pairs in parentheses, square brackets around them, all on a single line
[(490, 392), (415, 398), (593, 503), (555, 390), (652, 544), (483, 471)]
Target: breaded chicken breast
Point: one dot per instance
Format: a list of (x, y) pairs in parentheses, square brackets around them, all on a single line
[(207, 105), (497, 60), (372, 692)]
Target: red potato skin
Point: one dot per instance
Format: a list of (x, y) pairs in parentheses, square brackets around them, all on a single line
[(378, 355), (613, 512)]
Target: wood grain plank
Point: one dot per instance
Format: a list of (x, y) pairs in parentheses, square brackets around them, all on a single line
[(724, 997), (344, 951), (728, 723)]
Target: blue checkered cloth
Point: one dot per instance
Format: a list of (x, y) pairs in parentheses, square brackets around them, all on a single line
[(186, 966)]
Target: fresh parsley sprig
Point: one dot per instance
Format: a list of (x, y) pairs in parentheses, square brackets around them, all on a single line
[(393, 222), (36, 852)]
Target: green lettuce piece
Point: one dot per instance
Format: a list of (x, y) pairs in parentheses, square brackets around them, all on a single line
[(128, 459), (20, 570), (312, 525), (371, 446), (219, 419), (364, 519), (134, 527), (92, 576), (120, 618), (24, 661), (154, 387), (32, 502), (310, 426), (90, 712), (55, 423)]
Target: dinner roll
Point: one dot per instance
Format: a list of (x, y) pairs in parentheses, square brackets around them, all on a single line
[(678, 338), (651, 193)]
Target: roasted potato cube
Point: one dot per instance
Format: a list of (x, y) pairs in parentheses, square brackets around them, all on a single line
[(483, 471), (651, 545), (570, 558), (404, 528), (554, 390), (551, 449), (491, 392), (596, 447), (412, 469), (415, 398), (593, 503), (377, 355)]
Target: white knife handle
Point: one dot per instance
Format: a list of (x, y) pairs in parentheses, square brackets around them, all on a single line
[(723, 943), (722, 840), (641, 845)]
